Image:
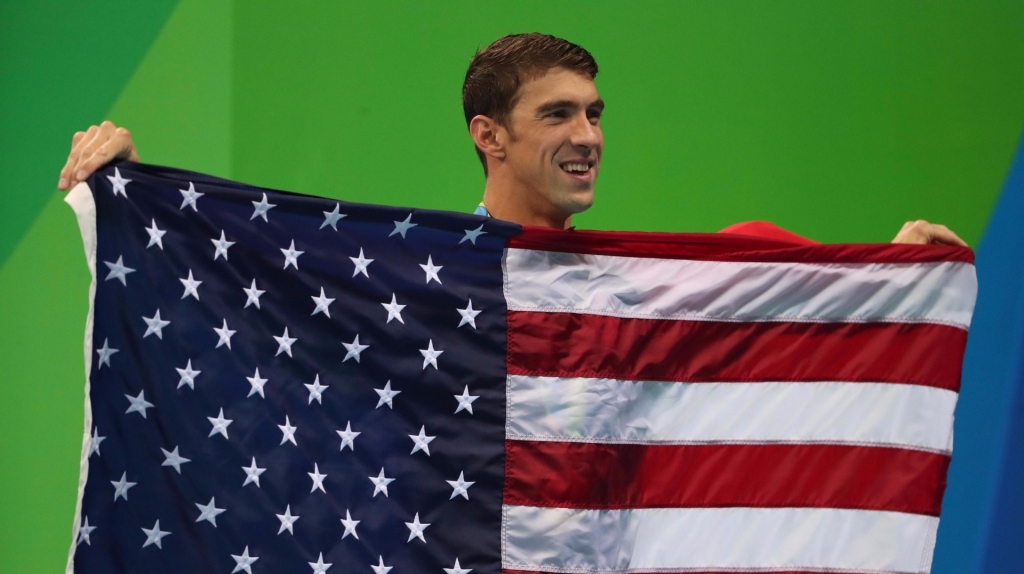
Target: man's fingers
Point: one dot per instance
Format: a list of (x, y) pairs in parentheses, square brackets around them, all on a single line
[(78, 142), (100, 138), (83, 151), (118, 146), (921, 232), (944, 235), (93, 148), (65, 173)]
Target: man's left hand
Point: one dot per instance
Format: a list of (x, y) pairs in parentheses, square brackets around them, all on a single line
[(921, 232)]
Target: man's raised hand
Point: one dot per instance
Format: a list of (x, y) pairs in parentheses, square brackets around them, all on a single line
[(922, 233), (93, 148)]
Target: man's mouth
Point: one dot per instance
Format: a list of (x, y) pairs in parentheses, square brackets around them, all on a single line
[(579, 169)]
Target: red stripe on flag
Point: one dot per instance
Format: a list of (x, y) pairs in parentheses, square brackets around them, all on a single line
[(727, 247), (618, 476), (583, 345)]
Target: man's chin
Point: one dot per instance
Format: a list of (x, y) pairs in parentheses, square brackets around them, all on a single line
[(577, 200)]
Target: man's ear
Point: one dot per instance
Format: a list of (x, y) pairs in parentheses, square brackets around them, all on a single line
[(488, 136)]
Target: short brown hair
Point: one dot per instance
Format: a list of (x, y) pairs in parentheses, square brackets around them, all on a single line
[(495, 73)]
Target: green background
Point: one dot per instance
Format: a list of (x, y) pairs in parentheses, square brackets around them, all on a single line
[(837, 120)]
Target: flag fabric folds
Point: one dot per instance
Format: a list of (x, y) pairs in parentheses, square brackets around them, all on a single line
[(284, 383)]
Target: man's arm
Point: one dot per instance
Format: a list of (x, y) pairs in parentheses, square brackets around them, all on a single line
[(916, 232), (100, 144), (92, 149)]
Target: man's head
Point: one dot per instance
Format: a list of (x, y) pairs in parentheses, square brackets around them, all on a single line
[(533, 111)]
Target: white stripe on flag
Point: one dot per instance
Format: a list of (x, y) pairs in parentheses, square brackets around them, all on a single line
[(81, 200), (612, 410), (760, 539), (739, 291)]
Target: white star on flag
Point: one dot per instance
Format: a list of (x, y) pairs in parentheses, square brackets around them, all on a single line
[(121, 487), (85, 530), (284, 343), (105, 352), (416, 528), (261, 208), (322, 304), (257, 384), (331, 217), (155, 325), (380, 568), (457, 569), (209, 512), (191, 286), (154, 535), (430, 355), (403, 226), (320, 567), (354, 348), (174, 459), (361, 264), (155, 235), (318, 479), (288, 431), (291, 256), (139, 404), (188, 376), (220, 424), (244, 562), (252, 295), (348, 437), (465, 401), (221, 246), (224, 335), (189, 197), (473, 234), (468, 315), (350, 526), (316, 390), (118, 271), (431, 270), (386, 394), (287, 520), (421, 441), (394, 310), (95, 440), (119, 183), (380, 483), (460, 487), (252, 473)]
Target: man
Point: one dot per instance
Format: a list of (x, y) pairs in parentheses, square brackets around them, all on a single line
[(534, 114)]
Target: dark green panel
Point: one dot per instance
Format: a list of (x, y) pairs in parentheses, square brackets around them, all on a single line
[(837, 120), (62, 64)]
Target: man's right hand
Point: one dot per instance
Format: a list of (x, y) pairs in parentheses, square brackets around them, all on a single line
[(92, 149)]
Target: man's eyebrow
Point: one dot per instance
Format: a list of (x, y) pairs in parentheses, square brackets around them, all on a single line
[(564, 104), (555, 105)]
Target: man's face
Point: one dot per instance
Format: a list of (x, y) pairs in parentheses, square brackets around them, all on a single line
[(556, 143)]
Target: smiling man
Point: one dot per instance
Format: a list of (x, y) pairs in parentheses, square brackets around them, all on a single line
[(534, 114)]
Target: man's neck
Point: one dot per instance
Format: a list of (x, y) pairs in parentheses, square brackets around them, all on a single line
[(507, 201)]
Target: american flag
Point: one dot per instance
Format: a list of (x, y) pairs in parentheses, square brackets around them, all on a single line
[(284, 383)]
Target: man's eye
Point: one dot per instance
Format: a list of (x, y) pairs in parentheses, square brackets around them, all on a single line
[(557, 114)]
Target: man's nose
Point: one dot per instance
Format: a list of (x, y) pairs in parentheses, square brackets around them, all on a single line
[(584, 134)]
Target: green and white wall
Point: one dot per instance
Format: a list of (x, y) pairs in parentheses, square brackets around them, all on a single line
[(837, 120)]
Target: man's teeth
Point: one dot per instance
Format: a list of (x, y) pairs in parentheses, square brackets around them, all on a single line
[(570, 167)]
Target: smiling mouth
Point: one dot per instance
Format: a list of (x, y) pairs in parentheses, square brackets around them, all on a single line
[(577, 168)]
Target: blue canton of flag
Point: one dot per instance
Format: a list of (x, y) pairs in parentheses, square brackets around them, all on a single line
[(284, 383)]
